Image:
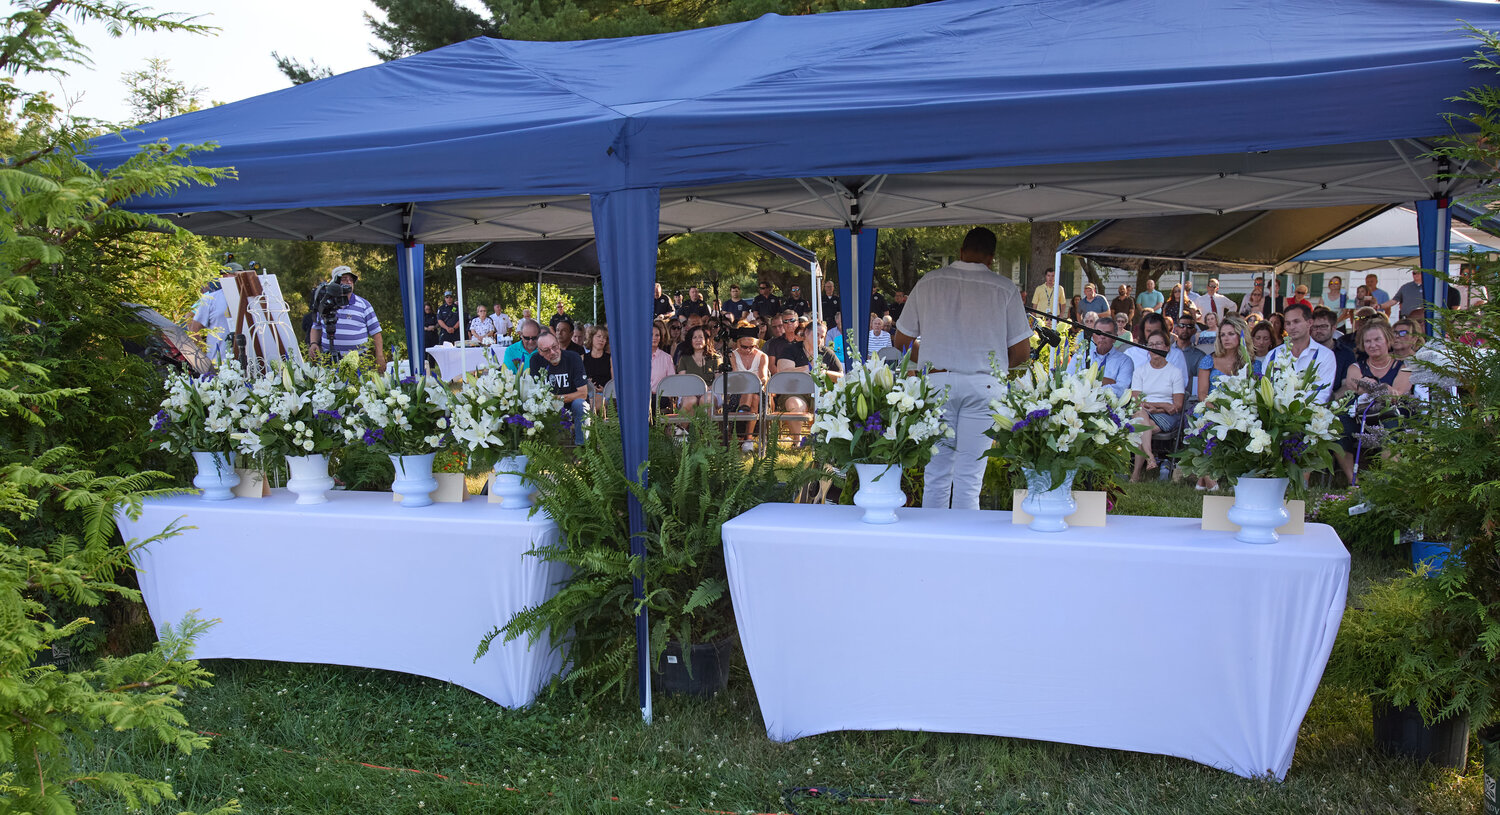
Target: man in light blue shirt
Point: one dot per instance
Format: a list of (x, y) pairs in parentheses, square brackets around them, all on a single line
[(1115, 369), (518, 354)]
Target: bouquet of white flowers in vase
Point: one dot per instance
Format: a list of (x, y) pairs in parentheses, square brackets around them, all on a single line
[(300, 409), (879, 419), (498, 409), (407, 419), (200, 415), (1268, 426), (1053, 424)]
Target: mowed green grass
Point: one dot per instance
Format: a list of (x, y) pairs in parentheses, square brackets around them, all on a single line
[(300, 739)]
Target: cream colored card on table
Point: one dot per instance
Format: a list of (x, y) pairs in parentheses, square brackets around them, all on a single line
[(1216, 515), (252, 484), (1092, 506)]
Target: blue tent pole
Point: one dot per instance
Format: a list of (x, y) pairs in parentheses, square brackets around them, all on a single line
[(866, 255), (1434, 231), (843, 240), (409, 271), (626, 223)]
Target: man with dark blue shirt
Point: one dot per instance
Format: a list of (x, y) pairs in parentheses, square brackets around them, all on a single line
[(564, 373), (766, 304), (662, 304), (734, 306)]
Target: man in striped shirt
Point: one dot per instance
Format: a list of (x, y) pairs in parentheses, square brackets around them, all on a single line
[(356, 325)]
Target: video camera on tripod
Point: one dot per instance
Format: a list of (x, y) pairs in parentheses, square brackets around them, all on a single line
[(331, 296)]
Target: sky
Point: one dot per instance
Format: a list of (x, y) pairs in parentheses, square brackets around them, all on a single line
[(234, 64)]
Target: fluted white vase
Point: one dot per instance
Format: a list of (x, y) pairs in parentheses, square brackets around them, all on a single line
[(414, 481), (510, 484), (879, 492), (1259, 509), (1048, 504), (309, 479), (216, 475)]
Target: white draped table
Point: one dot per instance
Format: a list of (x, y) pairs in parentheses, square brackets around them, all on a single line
[(1147, 634), (454, 362), (356, 581)]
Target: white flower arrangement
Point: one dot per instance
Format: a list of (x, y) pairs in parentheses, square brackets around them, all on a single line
[(1055, 421), (202, 413), (401, 417), (876, 415), (1263, 426), (495, 411), (298, 409)]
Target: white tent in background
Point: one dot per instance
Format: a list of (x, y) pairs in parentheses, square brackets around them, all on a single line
[(1387, 242)]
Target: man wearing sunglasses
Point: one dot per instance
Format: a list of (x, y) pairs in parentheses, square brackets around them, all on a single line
[(518, 354), (766, 304)]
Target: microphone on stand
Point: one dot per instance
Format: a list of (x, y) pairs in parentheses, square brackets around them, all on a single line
[(1048, 335)]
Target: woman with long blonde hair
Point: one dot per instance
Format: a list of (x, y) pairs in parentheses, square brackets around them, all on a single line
[(1232, 355)]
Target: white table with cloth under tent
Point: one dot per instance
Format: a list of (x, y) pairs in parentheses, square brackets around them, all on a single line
[(1146, 634), (355, 581)]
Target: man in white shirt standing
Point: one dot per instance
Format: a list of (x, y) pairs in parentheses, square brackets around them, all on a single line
[(1298, 320), (964, 312), (1211, 302)]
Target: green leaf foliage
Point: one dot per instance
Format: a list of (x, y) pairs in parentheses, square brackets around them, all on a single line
[(695, 485)]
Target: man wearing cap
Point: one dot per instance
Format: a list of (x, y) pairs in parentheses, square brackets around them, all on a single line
[(964, 313), (355, 326), (210, 323), (447, 315), (797, 302)]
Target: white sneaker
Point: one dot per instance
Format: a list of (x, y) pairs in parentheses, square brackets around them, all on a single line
[(748, 446)]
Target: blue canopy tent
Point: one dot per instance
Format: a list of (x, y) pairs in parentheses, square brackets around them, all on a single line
[(962, 111)]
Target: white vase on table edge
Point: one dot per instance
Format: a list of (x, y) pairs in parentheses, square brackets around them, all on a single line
[(216, 476), (308, 478), (1259, 509), (879, 492), (1048, 504), (414, 481), (509, 485)]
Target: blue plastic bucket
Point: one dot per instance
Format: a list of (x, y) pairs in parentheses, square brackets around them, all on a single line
[(1433, 554)]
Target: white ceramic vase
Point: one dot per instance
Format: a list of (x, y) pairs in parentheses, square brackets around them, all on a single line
[(1259, 509), (879, 492), (512, 488), (1048, 504), (216, 475), (414, 481), (309, 479)]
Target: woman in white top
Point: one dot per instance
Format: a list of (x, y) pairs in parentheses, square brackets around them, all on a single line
[(747, 356), (879, 337), (1161, 388), (481, 330)]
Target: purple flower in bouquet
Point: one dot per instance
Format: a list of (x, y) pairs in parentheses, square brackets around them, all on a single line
[(1033, 416), (331, 414), (408, 380), (567, 419), (1292, 446), (162, 420), (874, 424), (374, 435), (1208, 446), (518, 419)]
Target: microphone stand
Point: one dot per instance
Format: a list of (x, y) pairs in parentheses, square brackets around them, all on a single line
[(1056, 338), (725, 336)]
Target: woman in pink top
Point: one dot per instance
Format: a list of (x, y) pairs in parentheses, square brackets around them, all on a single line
[(661, 361)]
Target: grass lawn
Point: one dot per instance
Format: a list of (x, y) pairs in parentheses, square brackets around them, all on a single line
[(303, 739)]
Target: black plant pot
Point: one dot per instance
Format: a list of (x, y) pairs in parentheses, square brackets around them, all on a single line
[(1401, 731), (710, 669), (1489, 740)]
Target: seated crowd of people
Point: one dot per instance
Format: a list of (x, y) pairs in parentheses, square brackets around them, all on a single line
[(1352, 343)]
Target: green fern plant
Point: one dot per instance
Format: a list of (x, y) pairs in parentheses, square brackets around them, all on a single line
[(696, 485)]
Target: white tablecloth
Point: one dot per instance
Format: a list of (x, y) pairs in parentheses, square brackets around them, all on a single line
[(1147, 634), (355, 581), (451, 367)]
